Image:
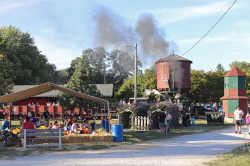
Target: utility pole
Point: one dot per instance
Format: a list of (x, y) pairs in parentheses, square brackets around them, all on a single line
[(104, 73), (135, 88)]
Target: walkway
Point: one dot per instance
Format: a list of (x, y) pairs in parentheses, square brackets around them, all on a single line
[(184, 150)]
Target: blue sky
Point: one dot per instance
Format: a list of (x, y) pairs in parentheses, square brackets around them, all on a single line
[(62, 29)]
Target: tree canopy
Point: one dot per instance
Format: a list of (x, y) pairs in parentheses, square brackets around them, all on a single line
[(5, 75), (207, 87), (146, 80), (28, 64)]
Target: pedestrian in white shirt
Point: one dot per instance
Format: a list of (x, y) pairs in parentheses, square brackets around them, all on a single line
[(238, 114)]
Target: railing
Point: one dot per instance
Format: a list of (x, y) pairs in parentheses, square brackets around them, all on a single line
[(141, 123), (42, 134)]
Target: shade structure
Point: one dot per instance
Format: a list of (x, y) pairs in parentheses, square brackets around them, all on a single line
[(13, 97)]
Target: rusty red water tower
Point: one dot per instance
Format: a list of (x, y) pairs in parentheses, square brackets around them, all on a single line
[(173, 74)]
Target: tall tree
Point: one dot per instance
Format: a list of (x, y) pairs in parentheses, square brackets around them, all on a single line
[(198, 86), (28, 64), (121, 67), (5, 75), (80, 81), (206, 87), (220, 68), (147, 80)]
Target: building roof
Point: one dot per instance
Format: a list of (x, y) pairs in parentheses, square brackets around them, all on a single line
[(52, 93), (106, 90), (173, 58), (43, 88), (235, 72)]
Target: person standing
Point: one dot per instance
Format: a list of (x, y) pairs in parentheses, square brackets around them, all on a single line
[(46, 116), (167, 122), (238, 114), (248, 121), (161, 120)]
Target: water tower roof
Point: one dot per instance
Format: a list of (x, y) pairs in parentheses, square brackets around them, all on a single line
[(172, 58), (235, 72)]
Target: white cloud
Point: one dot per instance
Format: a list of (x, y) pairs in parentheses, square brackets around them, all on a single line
[(169, 15), (59, 55), (7, 5)]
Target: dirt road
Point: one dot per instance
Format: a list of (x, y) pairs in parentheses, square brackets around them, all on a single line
[(179, 151)]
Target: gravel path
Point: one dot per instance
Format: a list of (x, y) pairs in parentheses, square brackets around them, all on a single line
[(189, 150)]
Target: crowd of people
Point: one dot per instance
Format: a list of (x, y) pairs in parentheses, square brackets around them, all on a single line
[(69, 125)]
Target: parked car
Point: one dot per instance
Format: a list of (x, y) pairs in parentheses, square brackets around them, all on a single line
[(210, 108)]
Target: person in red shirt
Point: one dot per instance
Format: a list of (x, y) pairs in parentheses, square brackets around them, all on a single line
[(27, 124)]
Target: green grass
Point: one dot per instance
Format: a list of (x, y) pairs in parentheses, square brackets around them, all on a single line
[(238, 157), (130, 137)]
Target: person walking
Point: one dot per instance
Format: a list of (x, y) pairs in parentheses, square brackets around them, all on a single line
[(238, 114), (248, 120)]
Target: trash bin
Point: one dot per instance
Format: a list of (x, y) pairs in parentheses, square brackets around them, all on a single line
[(105, 125), (117, 133)]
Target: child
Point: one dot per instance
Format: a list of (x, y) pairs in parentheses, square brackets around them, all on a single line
[(55, 126), (74, 127), (50, 126)]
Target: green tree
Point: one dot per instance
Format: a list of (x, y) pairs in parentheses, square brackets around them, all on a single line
[(126, 90), (61, 76), (206, 87), (147, 80), (28, 64), (214, 86), (80, 81), (198, 82), (5, 75), (121, 67), (220, 68)]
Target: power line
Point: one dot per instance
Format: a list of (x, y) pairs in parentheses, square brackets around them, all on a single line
[(212, 27)]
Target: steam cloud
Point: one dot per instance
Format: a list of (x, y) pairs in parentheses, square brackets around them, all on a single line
[(151, 36), (112, 31)]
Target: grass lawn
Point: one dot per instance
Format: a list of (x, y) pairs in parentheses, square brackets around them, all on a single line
[(238, 157), (130, 137)]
